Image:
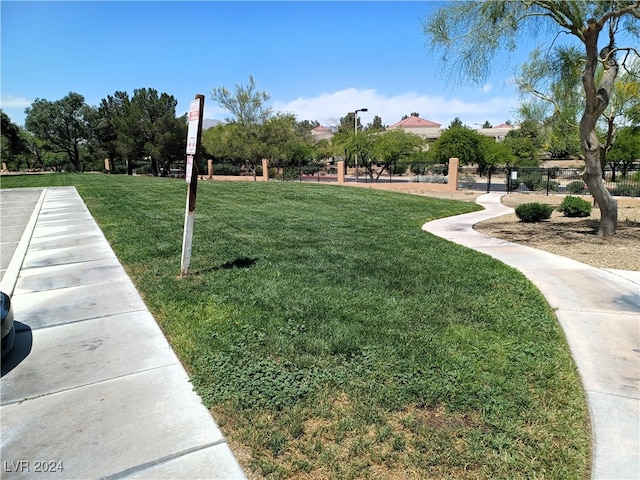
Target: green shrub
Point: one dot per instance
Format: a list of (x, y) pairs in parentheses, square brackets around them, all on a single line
[(533, 212), (627, 190), (467, 181), (533, 180), (225, 169), (577, 187), (575, 207)]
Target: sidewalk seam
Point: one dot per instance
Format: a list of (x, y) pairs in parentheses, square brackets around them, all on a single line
[(140, 468), (90, 384)]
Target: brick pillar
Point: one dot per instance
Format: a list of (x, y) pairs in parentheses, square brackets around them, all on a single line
[(454, 163), (341, 172), (210, 168), (265, 169)]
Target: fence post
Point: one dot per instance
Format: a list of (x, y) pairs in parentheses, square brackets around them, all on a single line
[(210, 168), (341, 172), (265, 170), (548, 179), (452, 174)]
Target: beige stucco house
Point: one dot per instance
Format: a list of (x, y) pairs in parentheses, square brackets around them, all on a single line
[(418, 126)]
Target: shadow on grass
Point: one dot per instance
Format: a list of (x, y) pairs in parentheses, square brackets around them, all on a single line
[(242, 262)]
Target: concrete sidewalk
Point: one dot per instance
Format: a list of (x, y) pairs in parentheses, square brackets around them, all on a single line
[(92, 388), (599, 312)]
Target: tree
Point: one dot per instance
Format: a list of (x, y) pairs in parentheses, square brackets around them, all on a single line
[(459, 142), (62, 124), (376, 125), (347, 123), (456, 123), (392, 145), (113, 134), (281, 140), (496, 154), (487, 124), (625, 151), (552, 80), (470, 33), (153, 129), (246, 104), (13, 146)]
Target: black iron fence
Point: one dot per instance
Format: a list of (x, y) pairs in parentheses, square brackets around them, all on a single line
[(549, 181), (539, 180)]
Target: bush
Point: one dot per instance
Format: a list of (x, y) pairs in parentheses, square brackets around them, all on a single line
[(533, 212), (431, 179), (575, 207), (627, 190), (577, 187), (467, 181), (533, 180)]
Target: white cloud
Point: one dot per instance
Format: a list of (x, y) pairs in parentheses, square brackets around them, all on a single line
[(486, 88), (327, 108), (9, 101)]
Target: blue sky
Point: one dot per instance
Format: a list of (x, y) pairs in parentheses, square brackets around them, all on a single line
[(318, 60)]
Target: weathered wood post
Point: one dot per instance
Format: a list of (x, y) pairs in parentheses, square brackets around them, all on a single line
[(265, 169)]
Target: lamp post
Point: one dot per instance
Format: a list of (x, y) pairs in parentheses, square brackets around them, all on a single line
[(355, 130)]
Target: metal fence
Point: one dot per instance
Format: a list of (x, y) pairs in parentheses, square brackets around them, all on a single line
[(539, 180), (550, 180)]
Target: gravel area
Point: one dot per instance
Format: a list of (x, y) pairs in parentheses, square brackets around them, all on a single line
[(575, 238)]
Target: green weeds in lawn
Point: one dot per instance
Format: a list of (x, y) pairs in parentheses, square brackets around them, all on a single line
[(332, 338)]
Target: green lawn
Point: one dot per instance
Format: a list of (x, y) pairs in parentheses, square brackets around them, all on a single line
[(332, 338)]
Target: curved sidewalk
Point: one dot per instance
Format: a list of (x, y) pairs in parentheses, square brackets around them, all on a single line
[(92, 388), (599, 312)]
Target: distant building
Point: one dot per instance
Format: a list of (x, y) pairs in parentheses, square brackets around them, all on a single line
[(418, 126), (498, 132), (321, 133)]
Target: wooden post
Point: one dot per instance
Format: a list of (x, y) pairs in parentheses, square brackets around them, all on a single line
[(265, 169), (210, 168), (194, 135)]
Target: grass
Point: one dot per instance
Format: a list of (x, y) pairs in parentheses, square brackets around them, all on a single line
[(332, 338)]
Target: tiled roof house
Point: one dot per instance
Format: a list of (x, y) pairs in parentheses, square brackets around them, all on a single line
[(418, 126), (498, 132), (319, 133)]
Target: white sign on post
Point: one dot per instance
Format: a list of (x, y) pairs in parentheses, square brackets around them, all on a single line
[(192, 132)]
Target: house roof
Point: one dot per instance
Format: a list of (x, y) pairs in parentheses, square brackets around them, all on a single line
[(320, 129), (412, 121)]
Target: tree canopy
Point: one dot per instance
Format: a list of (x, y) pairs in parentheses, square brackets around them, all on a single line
[(63, 124), (246, 104)]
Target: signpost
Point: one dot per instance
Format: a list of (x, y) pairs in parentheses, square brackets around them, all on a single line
[(194, 133)]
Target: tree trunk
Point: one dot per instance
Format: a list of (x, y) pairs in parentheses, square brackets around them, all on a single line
[(592, 176), (596, 101)]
